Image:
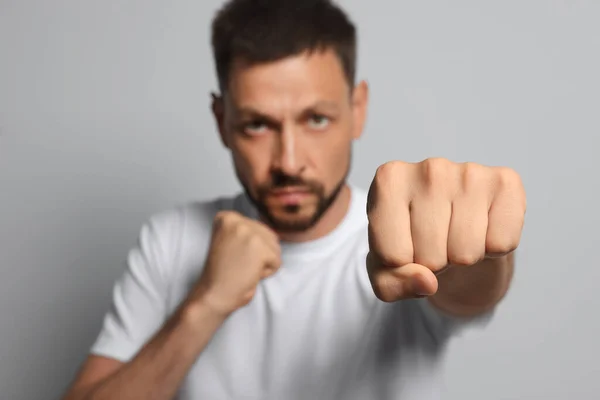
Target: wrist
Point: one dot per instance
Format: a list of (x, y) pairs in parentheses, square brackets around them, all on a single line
[(204, 305), (196, 318), (192, 326)]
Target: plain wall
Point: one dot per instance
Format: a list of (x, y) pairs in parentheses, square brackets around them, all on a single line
[(104, 120)]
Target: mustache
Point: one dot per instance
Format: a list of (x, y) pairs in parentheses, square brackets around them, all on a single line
[(280, 180), (285, 181)]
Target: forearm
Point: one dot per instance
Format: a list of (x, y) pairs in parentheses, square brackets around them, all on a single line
[(468, 291), (160, 367)]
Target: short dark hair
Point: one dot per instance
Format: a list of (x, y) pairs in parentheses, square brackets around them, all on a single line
[(259, 31)]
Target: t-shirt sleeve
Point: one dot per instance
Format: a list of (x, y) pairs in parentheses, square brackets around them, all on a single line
[(139, 298), (443, 325)]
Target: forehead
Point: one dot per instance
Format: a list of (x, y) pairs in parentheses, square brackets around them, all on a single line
[(292, 82)]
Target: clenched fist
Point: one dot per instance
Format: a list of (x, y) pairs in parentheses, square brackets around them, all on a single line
[(426, 216), (242, 252)]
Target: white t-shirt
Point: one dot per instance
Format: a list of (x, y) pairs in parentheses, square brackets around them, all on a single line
[(313, 331)]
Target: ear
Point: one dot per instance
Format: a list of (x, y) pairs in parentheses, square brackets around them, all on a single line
[(360, 104), (218, 110)]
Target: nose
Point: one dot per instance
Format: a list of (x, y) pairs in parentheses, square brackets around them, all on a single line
[(288, 152)]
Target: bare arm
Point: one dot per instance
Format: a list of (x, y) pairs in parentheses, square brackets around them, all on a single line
[(470, 291), (159, 368), (241, 254)]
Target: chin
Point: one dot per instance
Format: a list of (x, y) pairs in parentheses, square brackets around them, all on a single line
[(299, 221), (291, 226)]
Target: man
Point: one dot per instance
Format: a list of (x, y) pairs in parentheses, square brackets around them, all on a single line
[(304, 287)]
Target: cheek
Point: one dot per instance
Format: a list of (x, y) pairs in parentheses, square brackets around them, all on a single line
[(251, 163), (333, 160)]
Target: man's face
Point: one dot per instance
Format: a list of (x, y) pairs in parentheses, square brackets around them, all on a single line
[(289, 126)]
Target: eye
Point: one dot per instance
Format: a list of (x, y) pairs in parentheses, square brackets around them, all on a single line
[(255, 127), (318, 122)]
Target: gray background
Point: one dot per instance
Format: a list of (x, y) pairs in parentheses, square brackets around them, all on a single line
[(104, 120)]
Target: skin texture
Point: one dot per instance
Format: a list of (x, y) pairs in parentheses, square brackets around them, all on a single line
[(446, 231), (300, 126), (290, 124), (295, 94)]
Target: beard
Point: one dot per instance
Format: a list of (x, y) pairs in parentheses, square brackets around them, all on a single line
[(298, 217)]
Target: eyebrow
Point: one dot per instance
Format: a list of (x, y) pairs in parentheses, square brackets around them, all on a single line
[(329, 106)]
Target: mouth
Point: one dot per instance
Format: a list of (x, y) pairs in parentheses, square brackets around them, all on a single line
[(290, 195)]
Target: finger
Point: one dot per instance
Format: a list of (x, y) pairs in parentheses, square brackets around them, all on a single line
[(268, 235), (506, 216), (468, 228), (389, 219), (267, 272), (400, 283), (429, 222), (272, 265)]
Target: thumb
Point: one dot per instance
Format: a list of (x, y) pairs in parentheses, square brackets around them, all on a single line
[(400, 283), (420, 280)]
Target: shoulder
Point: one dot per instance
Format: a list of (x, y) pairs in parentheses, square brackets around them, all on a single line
[(179, 232), (189, 218), (197, 220)]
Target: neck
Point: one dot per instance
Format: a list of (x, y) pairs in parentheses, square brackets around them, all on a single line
[(327, 223)]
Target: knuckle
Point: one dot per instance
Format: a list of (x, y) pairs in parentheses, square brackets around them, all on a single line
[(509, 180), (507, 177), (240, 231), (501, 246), (383, 174), (436, 171), (276, 263), (472, 174), (225, 218), (252, 239), (388, 171), (384, 169), (218, 219), (434, 263), (274, 257), (396, 259), (464, 258), (391, 181), (248, 296)]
